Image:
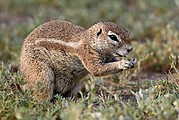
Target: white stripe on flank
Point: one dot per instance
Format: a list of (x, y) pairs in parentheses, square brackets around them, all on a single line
[(55, 41)]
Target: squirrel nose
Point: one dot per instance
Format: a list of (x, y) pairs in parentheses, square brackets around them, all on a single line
[(129, 49)]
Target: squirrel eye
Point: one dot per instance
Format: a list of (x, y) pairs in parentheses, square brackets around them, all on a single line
[(113, 37)]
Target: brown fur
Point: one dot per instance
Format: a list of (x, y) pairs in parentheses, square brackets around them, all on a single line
[(59, 54)]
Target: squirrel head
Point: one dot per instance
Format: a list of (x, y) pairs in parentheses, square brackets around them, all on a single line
[(109, 38)]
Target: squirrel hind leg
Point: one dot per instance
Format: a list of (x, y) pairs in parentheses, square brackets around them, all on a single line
[(40, 79)]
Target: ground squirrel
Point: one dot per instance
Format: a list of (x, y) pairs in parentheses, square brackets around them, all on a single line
[(59, 54)]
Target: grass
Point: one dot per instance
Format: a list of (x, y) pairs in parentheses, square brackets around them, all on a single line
[(158, 101), (134, 94)]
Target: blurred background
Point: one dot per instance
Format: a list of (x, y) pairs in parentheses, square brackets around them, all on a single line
[(153, 25)]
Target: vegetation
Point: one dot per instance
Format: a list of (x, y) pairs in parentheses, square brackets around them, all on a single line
[(150, 91)]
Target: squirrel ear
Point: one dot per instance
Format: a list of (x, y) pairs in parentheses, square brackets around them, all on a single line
[(99, 32)]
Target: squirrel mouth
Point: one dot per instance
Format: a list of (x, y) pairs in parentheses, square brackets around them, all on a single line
[(119, 55)]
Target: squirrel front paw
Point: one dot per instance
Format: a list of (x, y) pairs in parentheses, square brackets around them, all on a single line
[(126, 64)]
